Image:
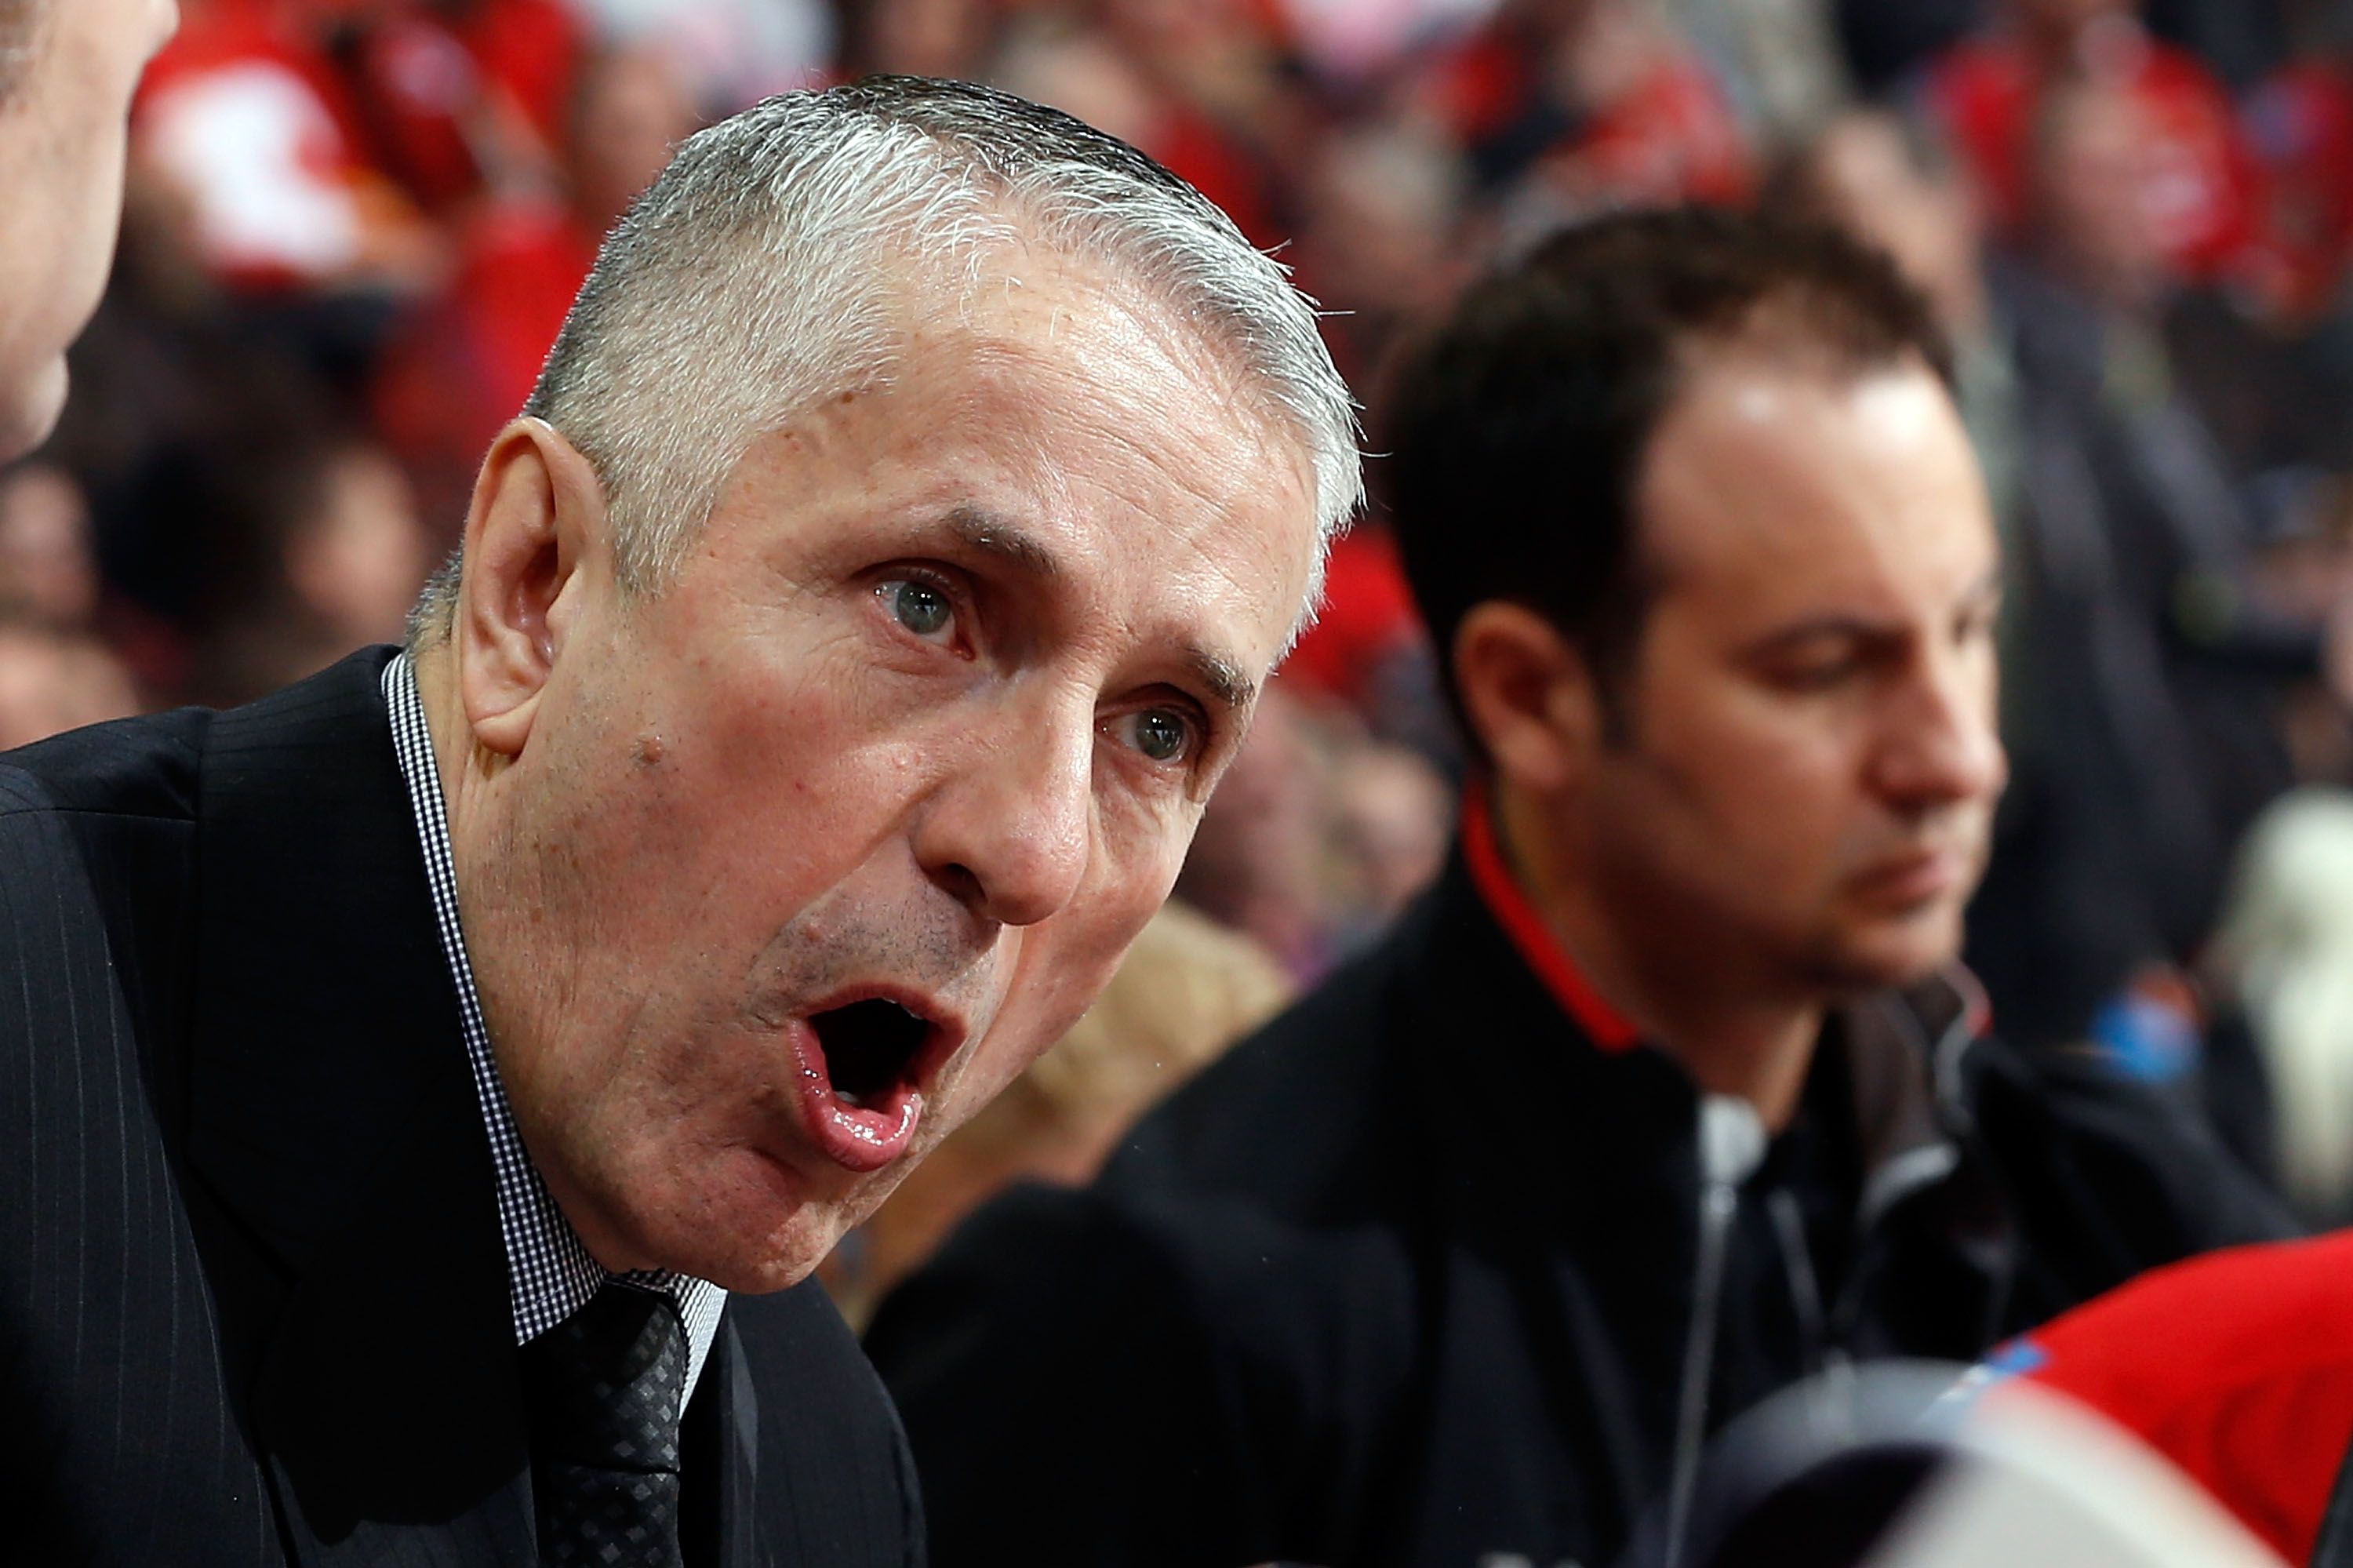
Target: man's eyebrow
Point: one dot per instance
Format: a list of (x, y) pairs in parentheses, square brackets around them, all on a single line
[(1223, 679), (989, 533), (1823, 627), (1862, 628)]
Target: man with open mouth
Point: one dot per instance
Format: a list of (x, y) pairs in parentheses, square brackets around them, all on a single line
[(421, 1078)]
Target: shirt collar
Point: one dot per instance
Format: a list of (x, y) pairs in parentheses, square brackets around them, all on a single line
[(1538, 947), (550, 1274)]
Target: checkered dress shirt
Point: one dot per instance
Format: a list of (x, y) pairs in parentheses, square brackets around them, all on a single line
[(550, 1275)]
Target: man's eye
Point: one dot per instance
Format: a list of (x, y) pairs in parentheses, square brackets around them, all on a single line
[(919, 606), (1164, 735)]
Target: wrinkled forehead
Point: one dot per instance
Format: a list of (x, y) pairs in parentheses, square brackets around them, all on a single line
[(1005, 286), (1060, 425)]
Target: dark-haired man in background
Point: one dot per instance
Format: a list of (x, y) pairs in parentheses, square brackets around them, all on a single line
[(1671, 1092)]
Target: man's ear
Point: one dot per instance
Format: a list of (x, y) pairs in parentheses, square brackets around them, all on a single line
[(537, 517), (1528, 695)]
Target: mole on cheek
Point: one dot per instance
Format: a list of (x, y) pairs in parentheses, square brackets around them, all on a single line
[(648, 750)]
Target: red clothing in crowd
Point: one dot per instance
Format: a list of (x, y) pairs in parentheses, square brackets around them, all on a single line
[(1673, 137), (2300, 124), (2203, 189), (1669, 135), (246, 115), (469, 360), (445, 97), (1368, 617), (2236, 1366)]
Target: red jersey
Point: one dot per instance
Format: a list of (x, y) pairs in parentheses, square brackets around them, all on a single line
[(2236, 1366)]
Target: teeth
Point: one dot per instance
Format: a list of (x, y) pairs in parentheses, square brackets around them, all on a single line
[(853, 1101)]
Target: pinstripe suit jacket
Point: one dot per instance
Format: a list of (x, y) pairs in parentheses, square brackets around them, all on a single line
[(253, 1301)]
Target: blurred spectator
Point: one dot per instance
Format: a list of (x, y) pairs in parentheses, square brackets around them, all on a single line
[(1596, 100), (729, 53), (2300, 126), (1255, 861), (338, 557), (2145, 731), (1894, 183), (458, 98), (48, 569), (1780, 58), (916, 38), (462, 362), (1378, 227), (1188, 989), (1350, 42), (2285, 951), (2189, 169), (247, 115), (1393, 816), (1369, 627), (67, 75), (1184, 83), (1320, 834), (53, 679)]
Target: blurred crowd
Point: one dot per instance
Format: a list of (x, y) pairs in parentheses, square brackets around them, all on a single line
[(354, 228)]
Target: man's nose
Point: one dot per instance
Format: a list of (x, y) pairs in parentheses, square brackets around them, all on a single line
[(1010, 835), (1943, 745)]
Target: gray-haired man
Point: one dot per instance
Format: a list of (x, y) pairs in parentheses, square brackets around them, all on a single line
[(843, 645)]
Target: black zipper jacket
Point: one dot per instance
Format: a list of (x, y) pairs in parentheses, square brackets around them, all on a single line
[(1424, 1274)]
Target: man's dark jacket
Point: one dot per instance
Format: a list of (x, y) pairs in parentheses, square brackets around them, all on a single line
[(1411, 1277), (253, 1295)]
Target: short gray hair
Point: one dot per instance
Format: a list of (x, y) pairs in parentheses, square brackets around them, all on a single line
[(752, 281)]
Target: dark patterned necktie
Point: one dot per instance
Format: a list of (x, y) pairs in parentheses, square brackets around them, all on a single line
[(604, 1390)]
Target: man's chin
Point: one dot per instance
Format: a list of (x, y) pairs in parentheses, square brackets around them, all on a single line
[(754, 1228), (1891, 953), (777, 1258)]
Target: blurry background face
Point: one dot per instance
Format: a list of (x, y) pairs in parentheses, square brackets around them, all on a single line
[(355, 558), (52, 680), (46, 568), (62, 140), (1860, 176), (630, 113), (1804, 790), (2090, 191)]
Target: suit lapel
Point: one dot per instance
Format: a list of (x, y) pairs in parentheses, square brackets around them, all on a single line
[(333, 1119)]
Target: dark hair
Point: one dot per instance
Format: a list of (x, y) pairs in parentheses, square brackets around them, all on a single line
[(1516, 430)]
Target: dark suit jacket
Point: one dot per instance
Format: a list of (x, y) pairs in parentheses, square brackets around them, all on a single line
[(253, 1296)]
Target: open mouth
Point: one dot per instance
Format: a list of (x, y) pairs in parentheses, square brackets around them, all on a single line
[(870, 1049)]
